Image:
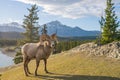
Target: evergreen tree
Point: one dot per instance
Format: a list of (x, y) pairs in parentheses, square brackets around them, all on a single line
[(109, 23), (31, 35), (31, 25), (118, 35), (44, 29)]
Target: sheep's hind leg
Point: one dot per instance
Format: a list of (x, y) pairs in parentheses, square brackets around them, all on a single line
[(28, 60), (25, 66)]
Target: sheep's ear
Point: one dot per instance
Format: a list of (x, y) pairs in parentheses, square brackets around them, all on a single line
[(54, 37)]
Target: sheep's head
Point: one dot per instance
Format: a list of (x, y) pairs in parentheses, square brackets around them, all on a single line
[(51, 41), (50, 44), (43, 38), (54, 42), (54, 38)]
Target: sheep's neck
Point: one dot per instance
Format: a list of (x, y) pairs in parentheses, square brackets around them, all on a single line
[(47, 49)]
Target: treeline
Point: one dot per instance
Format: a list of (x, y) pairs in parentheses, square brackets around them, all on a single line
[(77, 38), (5, 42), (66, 45)]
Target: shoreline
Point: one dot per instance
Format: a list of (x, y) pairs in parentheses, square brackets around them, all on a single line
[(3, 69), (8, 53)]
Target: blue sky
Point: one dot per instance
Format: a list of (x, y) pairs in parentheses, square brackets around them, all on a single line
[(82, 13)]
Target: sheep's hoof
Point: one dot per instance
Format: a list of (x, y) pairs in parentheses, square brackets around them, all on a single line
[(36, 74), (29, 73), (46, 71), (26, 74)]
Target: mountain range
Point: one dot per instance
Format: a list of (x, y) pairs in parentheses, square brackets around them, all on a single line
[(68, 31), (11, 27), (52, 27)]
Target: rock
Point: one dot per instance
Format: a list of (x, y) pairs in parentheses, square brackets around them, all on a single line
[(110, 50)]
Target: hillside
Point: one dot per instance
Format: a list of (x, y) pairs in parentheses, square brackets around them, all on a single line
[(69, 66)]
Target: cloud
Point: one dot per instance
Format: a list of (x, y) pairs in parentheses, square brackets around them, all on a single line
[(71, 8), (9, 20)]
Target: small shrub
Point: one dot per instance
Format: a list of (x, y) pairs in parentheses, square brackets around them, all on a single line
[(18, 57)]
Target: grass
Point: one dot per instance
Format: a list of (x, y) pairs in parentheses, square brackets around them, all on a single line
[(67, 66)]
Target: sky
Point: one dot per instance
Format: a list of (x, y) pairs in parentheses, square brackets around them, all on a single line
[(82, 13)]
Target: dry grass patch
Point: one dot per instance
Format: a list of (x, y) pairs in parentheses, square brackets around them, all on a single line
[(75, 66)]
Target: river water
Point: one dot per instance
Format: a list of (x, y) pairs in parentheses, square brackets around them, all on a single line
[(5, 60)]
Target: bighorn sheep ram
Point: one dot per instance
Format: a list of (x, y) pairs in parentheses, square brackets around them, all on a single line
[(38, 51)]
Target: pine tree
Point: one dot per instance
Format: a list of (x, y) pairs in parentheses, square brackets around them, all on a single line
[(31, 25), (44, 29), (109, 23), (31, 35), (118, 35)]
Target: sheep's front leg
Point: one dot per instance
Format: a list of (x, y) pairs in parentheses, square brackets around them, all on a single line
[(45, 63), (37, 65)]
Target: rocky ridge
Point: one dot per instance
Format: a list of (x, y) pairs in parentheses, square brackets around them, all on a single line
[(109, 50)]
